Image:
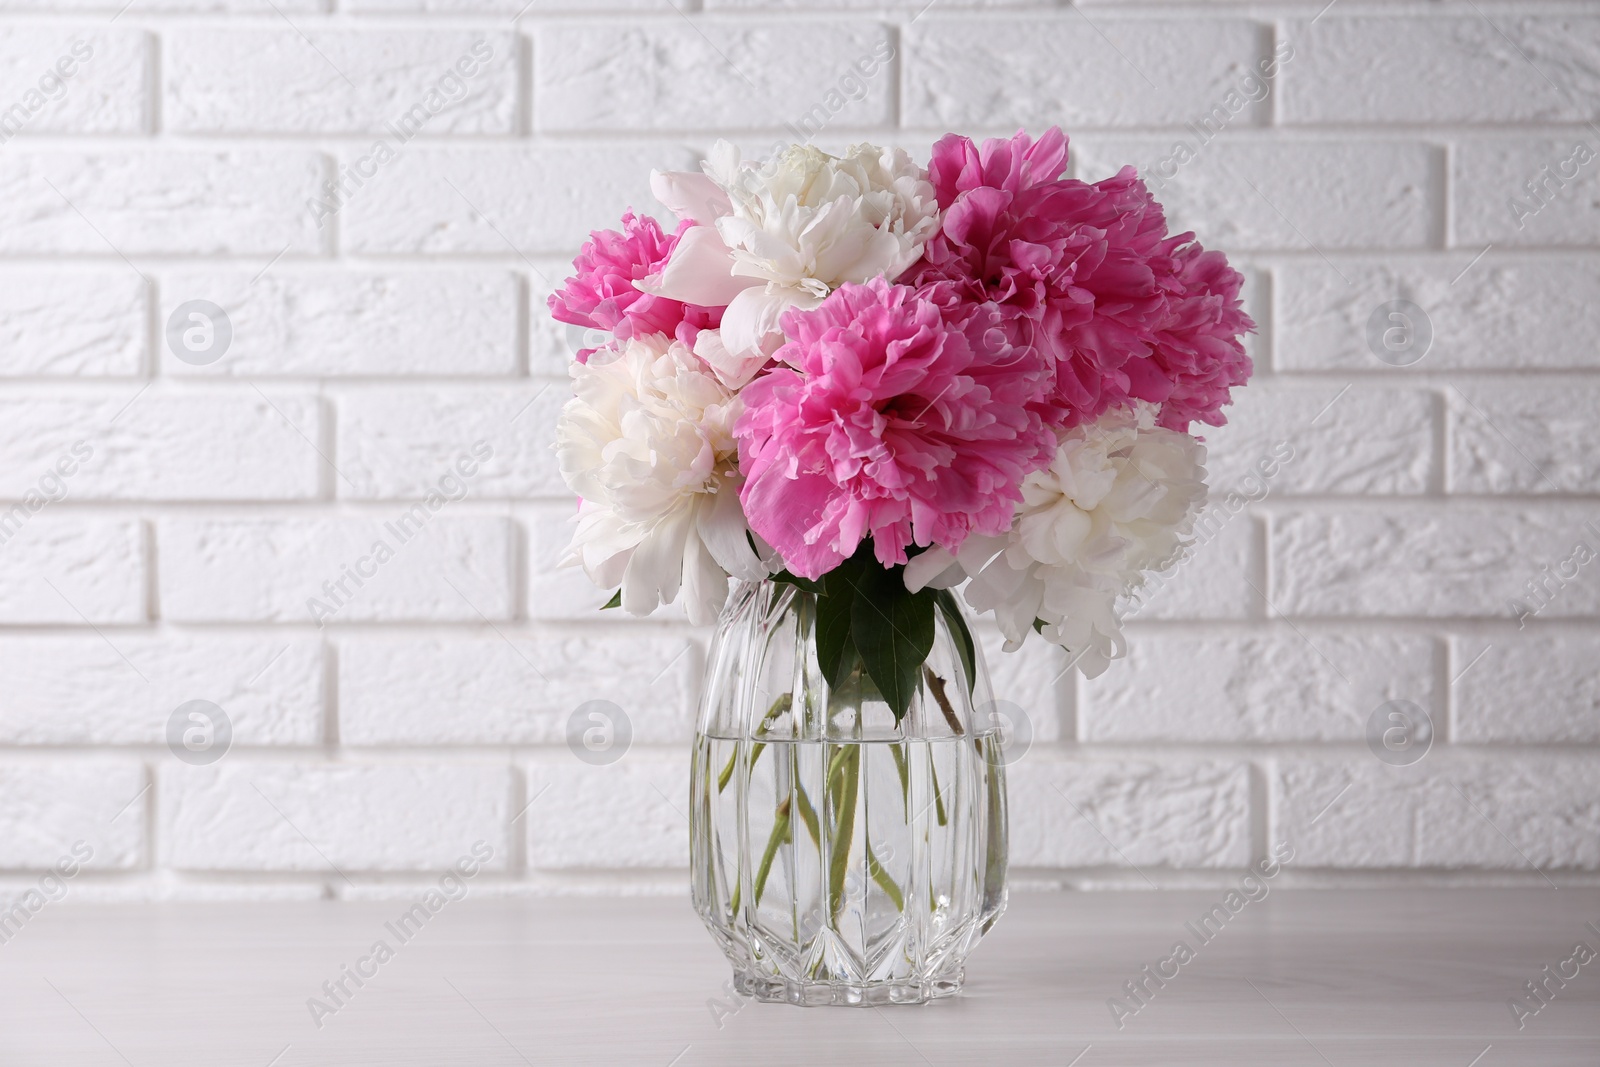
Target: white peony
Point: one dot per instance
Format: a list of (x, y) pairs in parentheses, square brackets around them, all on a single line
[(647, 442), (1116, 502), (786, 233)]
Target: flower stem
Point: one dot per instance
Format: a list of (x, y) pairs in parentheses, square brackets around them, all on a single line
[(781, 831), (936, 686), (885, 882), (779, 706), (938, 795), (844, 827), (898, 751), (808, 815)]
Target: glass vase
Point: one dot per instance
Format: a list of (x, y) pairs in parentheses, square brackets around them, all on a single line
[(840, 856)]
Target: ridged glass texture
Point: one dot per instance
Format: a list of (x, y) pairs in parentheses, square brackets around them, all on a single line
[(839, 856)]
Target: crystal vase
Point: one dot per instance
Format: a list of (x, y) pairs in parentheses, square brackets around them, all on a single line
[(841, 855)]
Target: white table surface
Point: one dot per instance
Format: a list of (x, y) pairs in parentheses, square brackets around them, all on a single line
[(1334, 979)]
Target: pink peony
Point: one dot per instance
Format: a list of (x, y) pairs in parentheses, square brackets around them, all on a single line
[(1198, 346), (604, 294), (885, 420), (959, 166), (1087, 273)]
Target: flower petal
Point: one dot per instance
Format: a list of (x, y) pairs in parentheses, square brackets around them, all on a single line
[(731, 370), (722, 529), (656, 567), (699, 272), (690, 195), (750, 323), (705, 583), (936, 567)]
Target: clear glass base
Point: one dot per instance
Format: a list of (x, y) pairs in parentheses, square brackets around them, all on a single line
[(843, 994)]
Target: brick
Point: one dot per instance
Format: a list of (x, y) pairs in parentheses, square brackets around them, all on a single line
[(318, 323), (1343, 813), (399, 443), (1524, 438), (341, 81), (508, 202), (1300, 195), (1434, 68), (1367, 440), (81, 691), (47, 808), (1169, 814), (1467, 561), (219, 570), (89, 323), (1272, 685), (668, 75), (519, 691), (1213, 580), (58, 568), (1526, 191), (160, 446), (331, 817), (1534, 687), (1449, 810), (962, 71), (159, 202), (1478, 312), (103, 93), (631, 813), (1031, 678)]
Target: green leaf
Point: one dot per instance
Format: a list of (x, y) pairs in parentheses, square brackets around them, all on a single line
[(965, 646), (614, 602), (893, 631), (810, 585), (836, 596), (835, 651)]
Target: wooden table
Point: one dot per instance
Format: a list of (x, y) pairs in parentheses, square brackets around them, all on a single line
[(1341, 978)]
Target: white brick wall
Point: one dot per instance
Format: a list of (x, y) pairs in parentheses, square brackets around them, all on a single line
[(391, 336), (339, 321), (214, 80)]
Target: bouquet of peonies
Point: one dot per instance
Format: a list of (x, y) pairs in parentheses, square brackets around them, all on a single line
[(874, 380)]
